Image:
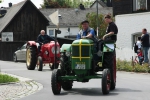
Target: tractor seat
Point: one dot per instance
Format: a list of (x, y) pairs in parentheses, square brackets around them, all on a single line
[(109, 41)]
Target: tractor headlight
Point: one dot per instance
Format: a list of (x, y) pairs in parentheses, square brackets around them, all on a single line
[(53, 50), (67, 53)]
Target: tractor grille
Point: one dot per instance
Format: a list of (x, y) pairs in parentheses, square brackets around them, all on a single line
[(84, 51)]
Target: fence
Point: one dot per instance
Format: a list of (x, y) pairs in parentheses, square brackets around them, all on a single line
[(7, 50)]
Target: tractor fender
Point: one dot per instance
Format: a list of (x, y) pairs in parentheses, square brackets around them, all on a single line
[(31, 43), (65, 48)]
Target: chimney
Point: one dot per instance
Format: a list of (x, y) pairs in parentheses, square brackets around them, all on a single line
[(82, 7), (10, 4)]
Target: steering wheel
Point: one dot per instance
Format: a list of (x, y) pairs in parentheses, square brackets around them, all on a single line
[(46, 41), (88, 38)]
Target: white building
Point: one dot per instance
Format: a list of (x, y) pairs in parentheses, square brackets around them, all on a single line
[(129, 28)]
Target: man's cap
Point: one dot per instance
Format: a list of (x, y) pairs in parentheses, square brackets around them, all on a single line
[(85, 21)]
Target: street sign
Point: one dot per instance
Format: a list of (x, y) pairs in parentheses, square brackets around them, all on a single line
[(7, 36)]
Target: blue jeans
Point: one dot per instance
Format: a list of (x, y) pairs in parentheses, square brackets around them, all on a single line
[(145, 52), (140, 60)]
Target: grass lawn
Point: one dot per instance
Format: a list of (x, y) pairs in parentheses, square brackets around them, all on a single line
[(6, 78)]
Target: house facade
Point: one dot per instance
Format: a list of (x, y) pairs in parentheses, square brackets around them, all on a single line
[(131, 16), (130, 28), (24, 21), (130, 6)]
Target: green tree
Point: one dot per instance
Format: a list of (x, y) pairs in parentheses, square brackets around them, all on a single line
[(92, 18), (65, 3)]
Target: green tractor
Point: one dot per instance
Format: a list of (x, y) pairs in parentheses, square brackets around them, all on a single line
[(79, 62)]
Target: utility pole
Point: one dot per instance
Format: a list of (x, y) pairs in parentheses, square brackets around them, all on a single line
[(97, 16)]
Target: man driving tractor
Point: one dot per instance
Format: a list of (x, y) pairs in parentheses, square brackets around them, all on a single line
[(86, 31), (43, 38)]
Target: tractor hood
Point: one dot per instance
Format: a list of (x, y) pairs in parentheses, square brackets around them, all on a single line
[(83, 41)]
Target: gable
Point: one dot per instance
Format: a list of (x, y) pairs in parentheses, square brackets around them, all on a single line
[(14, 11)]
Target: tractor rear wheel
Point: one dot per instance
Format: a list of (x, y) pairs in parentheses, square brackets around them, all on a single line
[(67, 85), (40, 64), (31, 57), (55, 82), (53, 66), (106, 81), (109, 61)]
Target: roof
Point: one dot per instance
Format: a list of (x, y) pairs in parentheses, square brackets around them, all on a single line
[(11, 13), (73, 17), (100, 2)]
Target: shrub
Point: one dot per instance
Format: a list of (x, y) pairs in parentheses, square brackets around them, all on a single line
[(127, 66)]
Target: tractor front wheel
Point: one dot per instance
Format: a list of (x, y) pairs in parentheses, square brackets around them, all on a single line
[(31, 57), (40, 64), (67, 85), (106, 81), (55, 82)]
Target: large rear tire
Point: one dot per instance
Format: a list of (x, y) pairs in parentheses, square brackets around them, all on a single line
[(67, 85), (109, 61), (55, 82), (53, 66), (106, 81), (31, 57)]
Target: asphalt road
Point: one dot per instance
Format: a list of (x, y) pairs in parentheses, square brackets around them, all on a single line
[(130, 86)]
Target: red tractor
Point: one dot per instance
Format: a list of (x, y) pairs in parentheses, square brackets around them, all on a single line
[(45, 56)]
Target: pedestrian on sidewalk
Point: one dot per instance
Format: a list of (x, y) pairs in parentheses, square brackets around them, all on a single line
[(145, 44)]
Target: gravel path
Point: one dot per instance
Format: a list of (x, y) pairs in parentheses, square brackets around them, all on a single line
[(23, 88)]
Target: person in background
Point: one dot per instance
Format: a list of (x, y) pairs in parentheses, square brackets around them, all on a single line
[(138, 43), (139, 51), (43, 38), (145, 44)]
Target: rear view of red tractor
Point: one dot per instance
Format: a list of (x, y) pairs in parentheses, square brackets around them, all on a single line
[(45, 56)]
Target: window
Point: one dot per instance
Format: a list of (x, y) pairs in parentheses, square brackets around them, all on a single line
[(51, 32), (23, 47), (139, 5)]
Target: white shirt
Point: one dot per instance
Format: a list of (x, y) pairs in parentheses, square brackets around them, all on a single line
[(138, 43)]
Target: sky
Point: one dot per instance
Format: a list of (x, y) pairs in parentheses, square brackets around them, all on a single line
[(5, 2)]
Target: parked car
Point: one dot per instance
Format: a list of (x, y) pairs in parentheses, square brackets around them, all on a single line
[(20, 54)]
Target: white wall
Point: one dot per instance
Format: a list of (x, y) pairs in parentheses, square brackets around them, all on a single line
[(64, 31), (129, 24), (94, 6)]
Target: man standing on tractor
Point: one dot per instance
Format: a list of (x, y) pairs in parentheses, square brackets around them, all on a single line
[(86, 31), (112, 29), (43, 38), (111, 32)]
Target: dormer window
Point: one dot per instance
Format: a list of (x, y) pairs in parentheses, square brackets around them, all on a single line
[(139, 5)]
